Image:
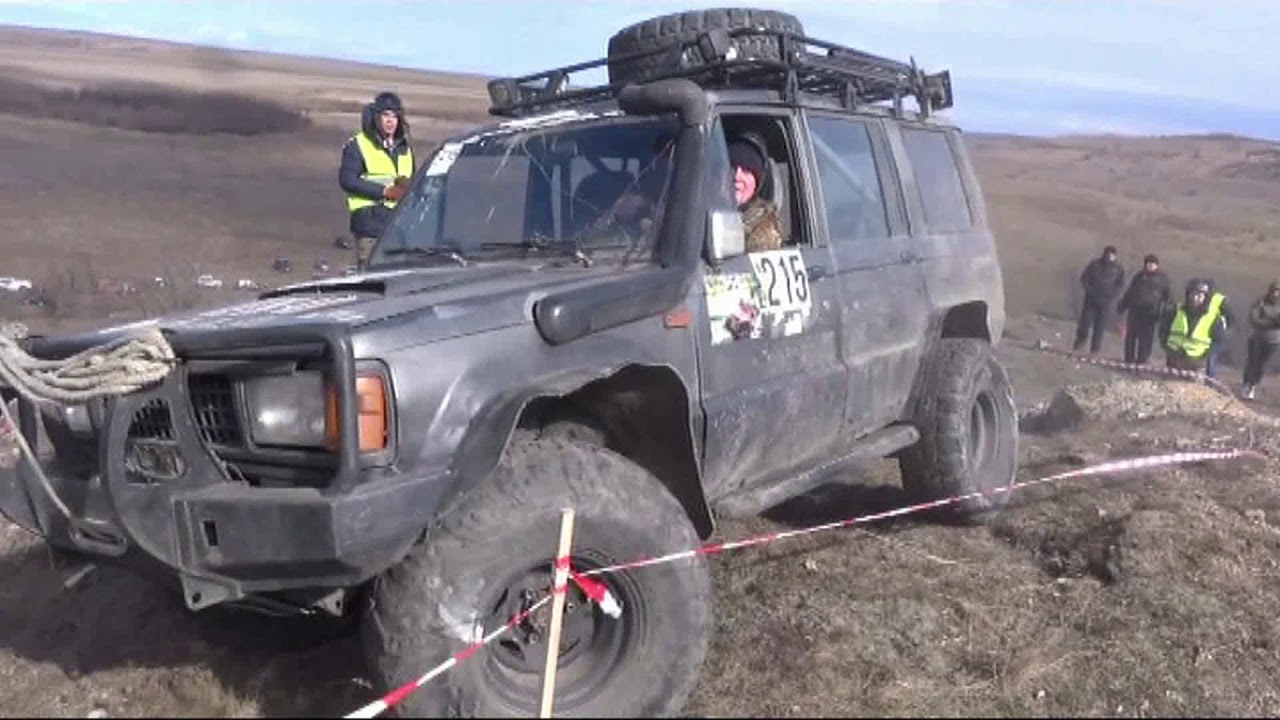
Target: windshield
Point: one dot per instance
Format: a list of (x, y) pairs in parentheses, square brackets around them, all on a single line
[(580, 189)]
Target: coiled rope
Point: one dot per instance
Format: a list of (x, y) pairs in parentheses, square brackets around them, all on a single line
[(118, 367)]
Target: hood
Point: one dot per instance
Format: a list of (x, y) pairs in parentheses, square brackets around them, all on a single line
[(441, 301), (367, 124)]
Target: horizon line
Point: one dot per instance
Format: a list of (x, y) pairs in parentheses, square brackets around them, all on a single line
[(341, 60)]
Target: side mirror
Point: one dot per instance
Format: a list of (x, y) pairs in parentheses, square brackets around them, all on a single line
[(726, 236)]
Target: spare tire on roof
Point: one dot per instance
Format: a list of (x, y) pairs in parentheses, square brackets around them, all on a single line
[(678, 29)]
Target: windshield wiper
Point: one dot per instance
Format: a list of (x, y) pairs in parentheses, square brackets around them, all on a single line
[(541, 243), (443, 250)]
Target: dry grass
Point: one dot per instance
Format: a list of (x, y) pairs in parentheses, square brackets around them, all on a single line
[(149, 108), (1145, 594)]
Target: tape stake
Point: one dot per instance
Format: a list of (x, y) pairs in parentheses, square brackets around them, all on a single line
[(562, 569)]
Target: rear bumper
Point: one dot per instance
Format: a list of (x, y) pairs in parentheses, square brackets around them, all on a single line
[(224, 538)]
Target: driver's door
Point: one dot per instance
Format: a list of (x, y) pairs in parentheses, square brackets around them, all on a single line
[(773, 384)]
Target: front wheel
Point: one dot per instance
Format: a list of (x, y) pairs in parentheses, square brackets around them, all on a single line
[(968, 426), (490, 556)]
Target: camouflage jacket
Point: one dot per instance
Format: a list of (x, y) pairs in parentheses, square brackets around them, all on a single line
[(762, 226)]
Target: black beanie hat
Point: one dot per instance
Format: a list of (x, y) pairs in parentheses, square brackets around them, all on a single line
[(746, 154), (1151, 258)]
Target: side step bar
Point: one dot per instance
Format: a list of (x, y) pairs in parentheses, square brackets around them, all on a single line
[(878, 444)]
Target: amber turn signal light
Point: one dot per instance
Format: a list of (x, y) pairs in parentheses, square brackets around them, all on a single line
[(371, 403), (371, 414)]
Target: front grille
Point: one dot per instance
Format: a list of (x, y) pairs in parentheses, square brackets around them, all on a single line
[(214, 407), (151, 454), (152, 422)]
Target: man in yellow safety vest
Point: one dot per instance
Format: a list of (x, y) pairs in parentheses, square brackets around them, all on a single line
[(1194, 326), (376, 165)]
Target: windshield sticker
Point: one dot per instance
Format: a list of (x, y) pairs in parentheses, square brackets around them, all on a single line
[(772, 302), (552, 119), (444, 159), (515, 127)]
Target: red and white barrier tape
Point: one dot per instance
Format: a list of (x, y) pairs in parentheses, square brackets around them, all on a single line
[(394, 697), (1193, 375), (600, 594), (595, 590), (1100, 469)]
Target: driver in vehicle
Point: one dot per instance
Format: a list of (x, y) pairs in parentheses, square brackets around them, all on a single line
[(759, 216), (639, 207)]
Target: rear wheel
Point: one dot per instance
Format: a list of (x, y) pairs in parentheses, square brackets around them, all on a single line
[(968, 426), (490, 557)]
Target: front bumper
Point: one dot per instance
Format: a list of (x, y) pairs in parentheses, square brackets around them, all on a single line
[(145, 487)]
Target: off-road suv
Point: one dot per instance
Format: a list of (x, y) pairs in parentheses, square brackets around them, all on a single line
[(562, 314)]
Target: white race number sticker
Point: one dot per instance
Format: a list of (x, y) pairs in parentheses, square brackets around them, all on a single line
[(784, 282), (444, 159)]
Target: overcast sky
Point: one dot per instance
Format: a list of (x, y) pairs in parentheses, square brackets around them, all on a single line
[(1027, 66)]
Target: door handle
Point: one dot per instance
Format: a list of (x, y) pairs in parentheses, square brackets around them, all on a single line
[(908, 257), (815, 272)]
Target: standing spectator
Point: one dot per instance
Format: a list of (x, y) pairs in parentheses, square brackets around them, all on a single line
[(1190, 328), (1264, 321), (1144, 302), (1102, 279), (376, 165)]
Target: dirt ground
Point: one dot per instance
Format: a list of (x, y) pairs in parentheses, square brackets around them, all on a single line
[(1149, 593)]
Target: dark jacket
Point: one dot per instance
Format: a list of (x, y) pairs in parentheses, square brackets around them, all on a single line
[(1102, 280), (1148, 294), (353, 163), (1264, 318)]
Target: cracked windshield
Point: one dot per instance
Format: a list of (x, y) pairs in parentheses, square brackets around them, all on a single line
[(583, 192)]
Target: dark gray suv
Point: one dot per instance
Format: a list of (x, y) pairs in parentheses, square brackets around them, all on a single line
[(562, 313)]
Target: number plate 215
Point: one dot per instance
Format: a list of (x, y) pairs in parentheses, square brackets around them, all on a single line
[(784, 282)]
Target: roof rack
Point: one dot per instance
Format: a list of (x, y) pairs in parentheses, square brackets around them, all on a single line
[(850, 76)]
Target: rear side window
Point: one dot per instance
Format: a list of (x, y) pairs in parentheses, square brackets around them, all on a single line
[(851, 187), (946, 209)]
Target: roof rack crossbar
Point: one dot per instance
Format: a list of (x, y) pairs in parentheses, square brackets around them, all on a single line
[(852, 77)]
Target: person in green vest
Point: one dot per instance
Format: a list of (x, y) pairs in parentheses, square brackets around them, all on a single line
[(377, 163), (1193, 326)]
